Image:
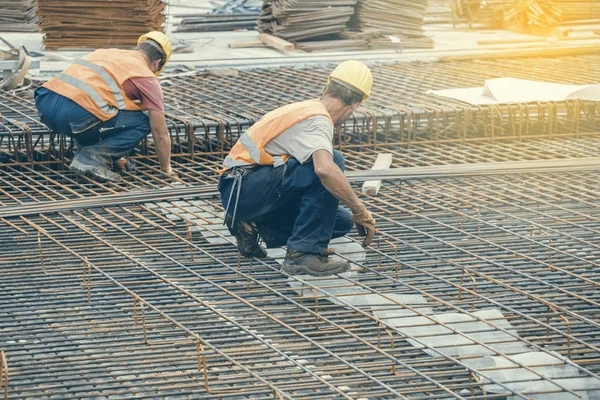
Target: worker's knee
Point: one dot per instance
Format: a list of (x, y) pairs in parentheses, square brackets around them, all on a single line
[(343, 223), (338, 159)]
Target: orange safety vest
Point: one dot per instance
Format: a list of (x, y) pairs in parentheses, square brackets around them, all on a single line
[(95, 81), (250, 147)]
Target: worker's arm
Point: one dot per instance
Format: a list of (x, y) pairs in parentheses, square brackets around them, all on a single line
[(162, 140), (334, 180)]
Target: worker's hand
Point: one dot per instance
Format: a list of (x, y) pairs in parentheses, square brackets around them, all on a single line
[(365, 224)]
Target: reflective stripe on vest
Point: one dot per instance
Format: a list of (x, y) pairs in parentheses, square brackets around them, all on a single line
[(104, 106), (110, 82), (230, 163), (250, 147), (278, 161)]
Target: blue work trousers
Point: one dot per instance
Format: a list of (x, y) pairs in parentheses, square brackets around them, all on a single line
[(289, 205), (121, 133)]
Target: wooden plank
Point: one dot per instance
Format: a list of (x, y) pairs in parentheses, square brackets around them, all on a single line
[(533, 40), (246, 45), (474, 169), (582, 28), (547, 51), (275, 42), (383, 161)]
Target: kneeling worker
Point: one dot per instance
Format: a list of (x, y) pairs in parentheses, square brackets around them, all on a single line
[(100, 101), (284, 181)]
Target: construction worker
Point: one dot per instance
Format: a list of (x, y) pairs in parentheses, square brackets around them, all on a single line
[(284, 181), (109, 101)]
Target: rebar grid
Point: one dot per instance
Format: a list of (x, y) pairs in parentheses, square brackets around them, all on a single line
[(27, 183), (523, 245), (400, 109), (145, 284), (212, 111), (151, 300)]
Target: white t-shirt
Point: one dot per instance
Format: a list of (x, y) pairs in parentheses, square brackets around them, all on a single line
[(303, 139)]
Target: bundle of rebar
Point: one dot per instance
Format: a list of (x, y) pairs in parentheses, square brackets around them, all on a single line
[(542, 13), (18, 16), (574, 10), (401, 18), (101, 23), (438, 12), (490, 13), (239, 7), (216, 22), (305, 19)]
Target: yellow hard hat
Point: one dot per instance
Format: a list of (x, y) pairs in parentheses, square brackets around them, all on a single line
[(164, 43), (354, 74)]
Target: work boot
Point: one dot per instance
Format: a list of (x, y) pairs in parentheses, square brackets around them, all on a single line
[(246, 235), (97, 172), (298, 263)]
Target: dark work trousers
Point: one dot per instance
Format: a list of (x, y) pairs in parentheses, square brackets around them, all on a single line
[(62, 115), (289, 205)]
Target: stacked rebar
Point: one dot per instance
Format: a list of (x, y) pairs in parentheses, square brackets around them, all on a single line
[(17, 16), (403, 19), (305, 19), (491, 13), (438, 12), (101, 23), (537, 13), (216, 22), (573, 10), (550, 14)]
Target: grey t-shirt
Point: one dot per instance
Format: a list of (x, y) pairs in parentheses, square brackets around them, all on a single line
[(303, 139)]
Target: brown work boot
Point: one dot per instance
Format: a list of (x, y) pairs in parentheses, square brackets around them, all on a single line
[(246, 235), (299, 263)]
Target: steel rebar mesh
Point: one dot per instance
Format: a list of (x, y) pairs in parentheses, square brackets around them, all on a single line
[(212, 111), (473, 284), (520, 245)]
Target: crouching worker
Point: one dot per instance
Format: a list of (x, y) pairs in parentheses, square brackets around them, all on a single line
[(283, 181), (101, 101)]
